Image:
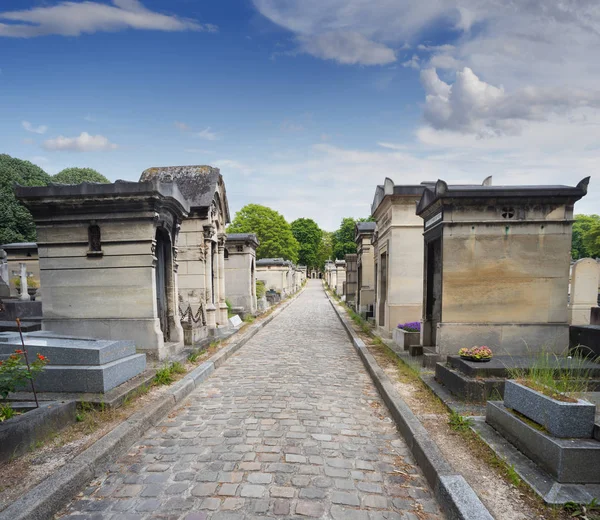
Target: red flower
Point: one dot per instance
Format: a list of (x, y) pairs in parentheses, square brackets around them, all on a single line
[(41, 358), (1, 363), (19, 351)]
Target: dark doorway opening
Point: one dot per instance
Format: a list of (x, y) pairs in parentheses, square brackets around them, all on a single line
[(163, 246), (383, 289), (433, 303)]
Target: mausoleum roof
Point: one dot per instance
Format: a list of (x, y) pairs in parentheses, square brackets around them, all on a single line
[(475, 193), (197, 183), (273, 261), (243, 237), (60, 197), (365, 227)]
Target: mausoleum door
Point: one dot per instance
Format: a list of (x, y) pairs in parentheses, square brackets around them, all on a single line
[(162, 245), (383, 290), (433, 313)]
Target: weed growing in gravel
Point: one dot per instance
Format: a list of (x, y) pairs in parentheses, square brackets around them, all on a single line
[(459, 423), (166, 374), (194, 355)]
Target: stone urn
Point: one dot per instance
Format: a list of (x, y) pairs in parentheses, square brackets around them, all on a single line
[(32, 291)]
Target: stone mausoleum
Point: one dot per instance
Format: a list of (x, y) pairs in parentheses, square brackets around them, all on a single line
[(240, 271), (277, 275), (496, 267), (107, 260), (398, 246), (365, 264), (201, 256)]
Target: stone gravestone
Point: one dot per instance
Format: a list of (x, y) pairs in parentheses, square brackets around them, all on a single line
[(4, 287), (584, 291)]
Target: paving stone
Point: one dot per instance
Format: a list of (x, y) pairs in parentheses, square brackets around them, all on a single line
[(228, 490), (281, 507), (283, 492), (276, 424), (313, 508), (252, 491), (341, 497), (312, 492), (204, 490), (260, 478)]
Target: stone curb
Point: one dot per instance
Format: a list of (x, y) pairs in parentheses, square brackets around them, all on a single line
[(50, 495), (455, 496)]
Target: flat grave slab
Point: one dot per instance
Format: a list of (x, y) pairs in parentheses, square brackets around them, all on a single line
[(497, 366), (71, 351), (77, 364), (26, 326)]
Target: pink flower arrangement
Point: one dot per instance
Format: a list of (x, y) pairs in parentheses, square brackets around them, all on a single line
[(476, 353)]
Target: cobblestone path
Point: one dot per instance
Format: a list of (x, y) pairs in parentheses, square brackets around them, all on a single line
[(290, 427)]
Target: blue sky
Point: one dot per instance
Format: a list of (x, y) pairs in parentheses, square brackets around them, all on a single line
[(306, 105)]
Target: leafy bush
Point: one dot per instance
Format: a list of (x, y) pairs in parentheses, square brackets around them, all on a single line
[(260, 289), (14, 372), (7, 412)]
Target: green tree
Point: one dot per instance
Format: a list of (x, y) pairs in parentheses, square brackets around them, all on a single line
[(308, 234), (79, 175), (591, 240), (325, 251), (16, 224), (582, 244), (343, 238), (273, 231)]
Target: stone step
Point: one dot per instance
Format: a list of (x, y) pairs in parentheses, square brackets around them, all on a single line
[(467, 388), (82, 378), (68, 350)]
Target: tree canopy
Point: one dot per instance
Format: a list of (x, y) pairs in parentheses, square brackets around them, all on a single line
[(343, 238), (309, 236), (16, 224), (586, 237), (79, 175), (325, 251), (273, 231)]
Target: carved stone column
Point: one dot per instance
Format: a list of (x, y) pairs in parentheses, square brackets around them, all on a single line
[(211, 318), (223, 318)]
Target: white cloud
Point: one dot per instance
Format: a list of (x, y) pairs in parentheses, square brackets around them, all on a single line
[(83, 143), (530, 52), (182, 126), (348, 48), (208, 134), (34, 129), (471, 105), (413, 63), (69, 18), (228, 164)]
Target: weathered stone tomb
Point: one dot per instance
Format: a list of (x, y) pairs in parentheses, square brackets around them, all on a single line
[(497, 266), (201, 255), (240, 271), (365, 265), (107, 259)]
